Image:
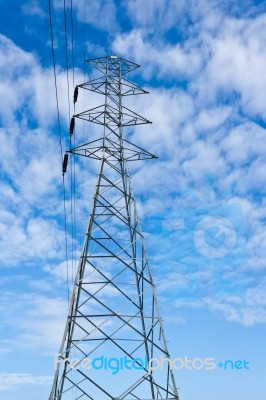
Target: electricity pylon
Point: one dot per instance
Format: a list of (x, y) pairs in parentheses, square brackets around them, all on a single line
[(114, 330)]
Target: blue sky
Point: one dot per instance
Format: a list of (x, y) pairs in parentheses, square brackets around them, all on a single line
[(202, 203)]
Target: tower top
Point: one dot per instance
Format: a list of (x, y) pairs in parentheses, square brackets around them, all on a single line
[(114, 63)]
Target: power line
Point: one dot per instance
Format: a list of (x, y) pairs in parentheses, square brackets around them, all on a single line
[(69, 117), (72, 42), (55, 79), (60, 136), (73, 189), (66, 55), (83, 122)]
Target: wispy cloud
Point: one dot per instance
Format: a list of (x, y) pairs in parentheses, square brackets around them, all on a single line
[(9, 381), (37, 321), (33, 8)]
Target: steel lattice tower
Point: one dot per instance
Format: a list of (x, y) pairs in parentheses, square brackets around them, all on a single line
[(113, 312)]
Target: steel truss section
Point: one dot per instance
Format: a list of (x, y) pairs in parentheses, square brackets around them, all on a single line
[(113, 312)]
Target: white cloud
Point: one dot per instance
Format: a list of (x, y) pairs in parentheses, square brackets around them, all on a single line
[(158, 59), (203, 159), (168, 110), (98, 13), (210, 119), (157, 16), (215, 68), (33, 8), (247, 309), (146, 13), (222, 57), (34, 239), (30, 159), (193, 134), (63, 271), (37, 321), (28, 89), (10, 380), (236, 64)]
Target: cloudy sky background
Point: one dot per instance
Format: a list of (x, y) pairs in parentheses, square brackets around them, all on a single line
[(204, 64)]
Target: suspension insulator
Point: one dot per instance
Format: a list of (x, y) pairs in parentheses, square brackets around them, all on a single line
[(76, 92), (72, 126), (64, 166)]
